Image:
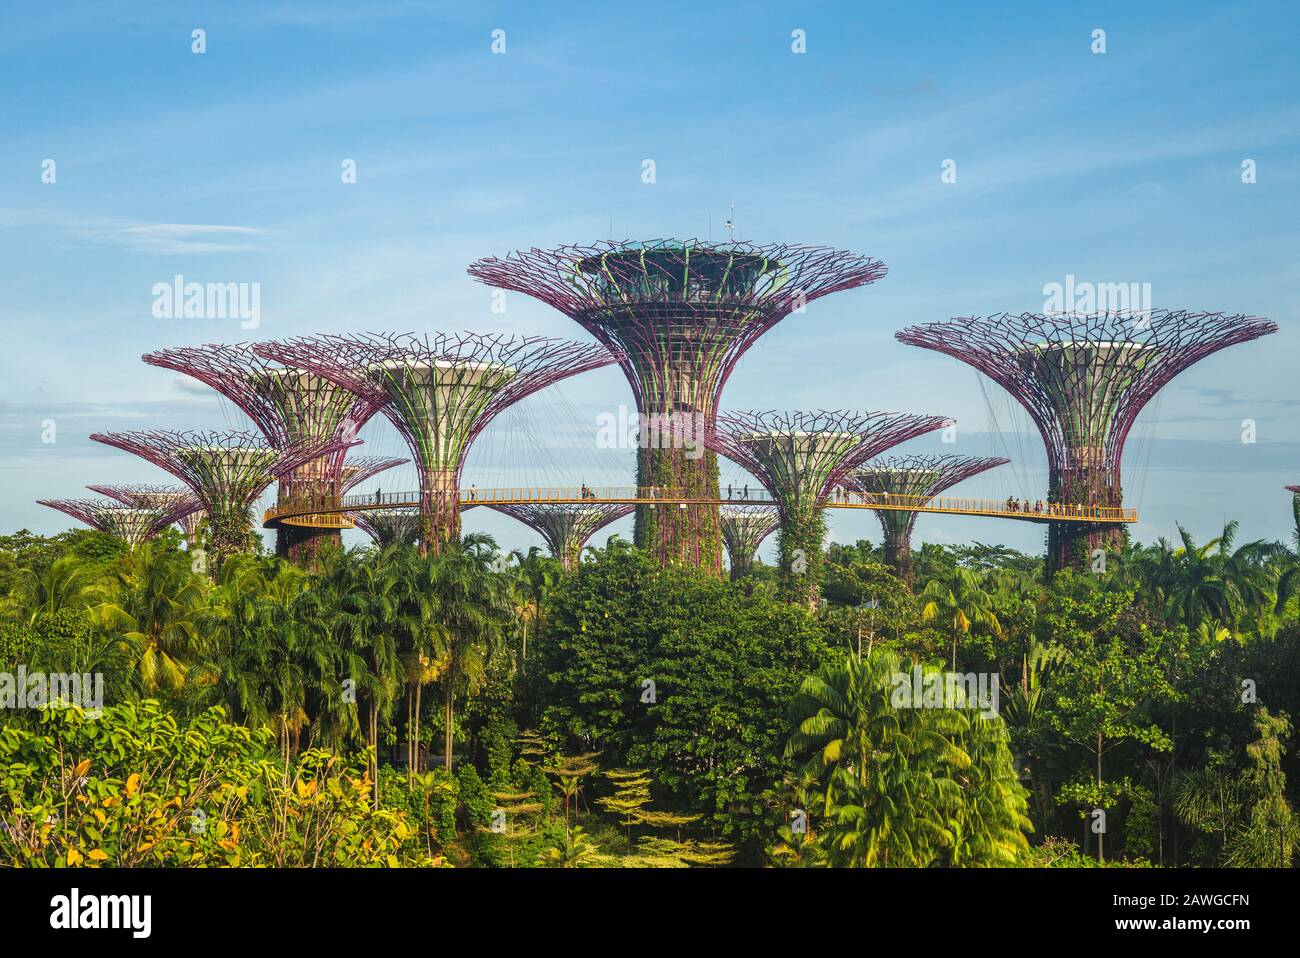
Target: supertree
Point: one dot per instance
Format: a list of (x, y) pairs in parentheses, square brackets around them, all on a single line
[(914, 479), (227, 471), (132, 524), (743, 530), (566, 528), (440, 390), (801, 458), (680, 313), (1083, 379), (387, 527), (290, 407), (149, 496)]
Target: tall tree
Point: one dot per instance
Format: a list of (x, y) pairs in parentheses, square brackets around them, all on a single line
[(957, 601)]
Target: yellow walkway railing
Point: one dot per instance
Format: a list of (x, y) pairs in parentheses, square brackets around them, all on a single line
[(331, 513)]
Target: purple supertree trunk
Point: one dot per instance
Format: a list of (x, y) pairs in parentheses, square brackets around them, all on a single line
[(680, 313), (1083, 379)]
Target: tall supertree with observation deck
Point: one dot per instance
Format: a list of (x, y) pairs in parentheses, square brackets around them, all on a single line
[(440, 391), (142, 495), (914, 480), (566, 527), (801, 458), (680, 313), (744, 527), (290, 407), (1083, 379), (132, 524), (226, 471)]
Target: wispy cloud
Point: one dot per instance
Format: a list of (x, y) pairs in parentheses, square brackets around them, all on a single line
[(176, 237)]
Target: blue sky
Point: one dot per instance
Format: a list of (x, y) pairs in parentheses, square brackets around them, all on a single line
[(225, 167)]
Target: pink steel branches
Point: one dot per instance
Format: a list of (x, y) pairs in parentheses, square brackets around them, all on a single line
[(132, 523), (227, 471), (743, 529), (918, 478), (358, 469), (679, 312), (149, 496), (439, 390), (566, 528), (289, 406), (801, 457), (1084, 378)]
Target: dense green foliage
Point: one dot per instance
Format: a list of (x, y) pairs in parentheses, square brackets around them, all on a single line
[(474, 709)]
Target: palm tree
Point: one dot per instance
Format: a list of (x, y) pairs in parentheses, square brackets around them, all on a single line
[(67, 583), (533, 579), (884, 791), (957, 600), (1288, 583), (469, 608), (1216, 581), (574, 850), (155, 612), (268, 662), (408, 576), (352, 604)]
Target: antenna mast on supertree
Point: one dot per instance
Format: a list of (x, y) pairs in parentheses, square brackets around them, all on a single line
[(566, 528), (680, 313), (440, 390), (291, 408), (149, 496), (227, 471), (132, 524), (743, 530), (800, 458), (1083, 379), (916, 478)]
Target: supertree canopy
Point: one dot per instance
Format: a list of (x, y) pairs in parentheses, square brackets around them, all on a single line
[(743, 530), (680, 313), (290, 407), (566, 528), (1083, 378), (358, 469), (149, 496), (132, 524), (440, 390), (914, 479), (227, 471), (388, 527), (801, 458)]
